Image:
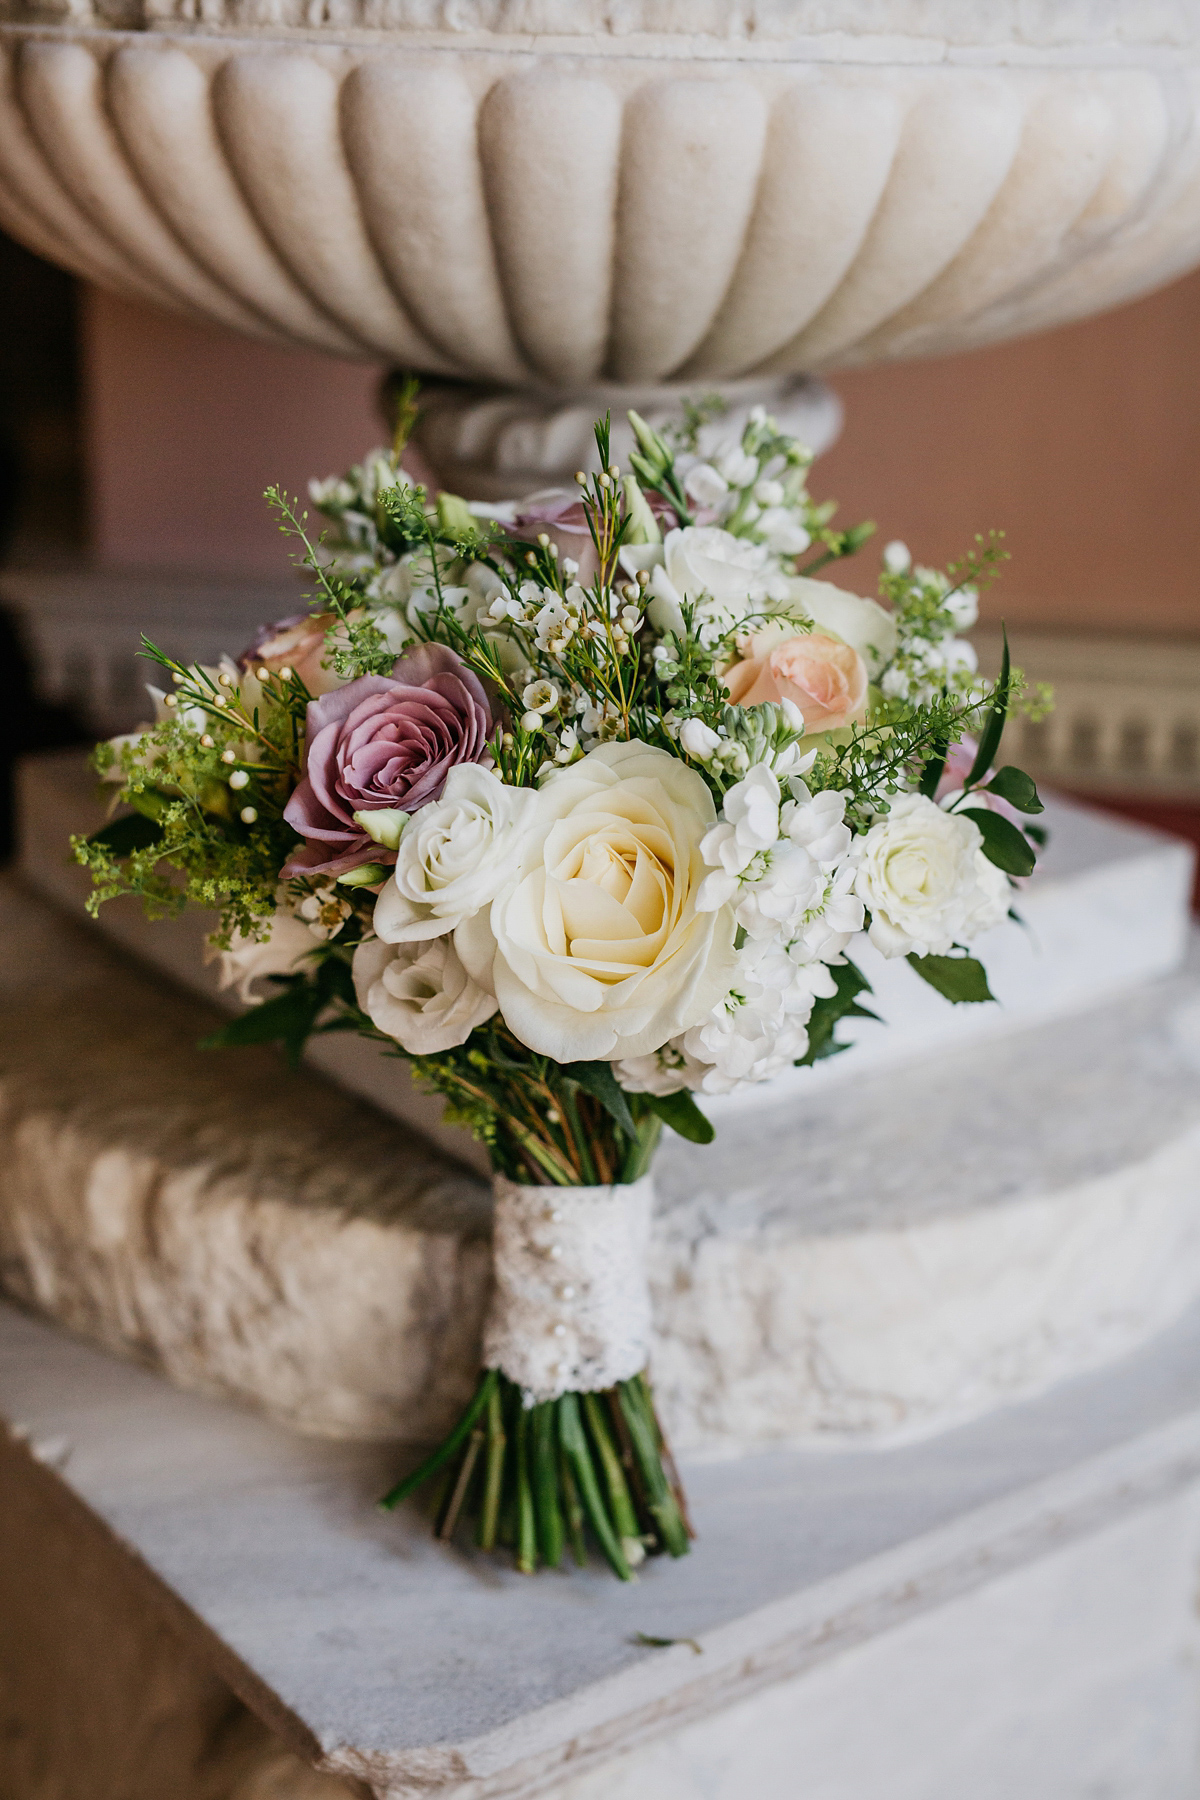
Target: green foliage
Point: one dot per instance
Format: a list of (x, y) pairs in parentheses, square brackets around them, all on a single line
[(960, 979), (1003, 844), (827, 1013), (301, 1009), (1016, 787), (681, 1113)]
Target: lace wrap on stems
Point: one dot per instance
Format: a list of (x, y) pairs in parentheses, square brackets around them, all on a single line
[(570, 1310)]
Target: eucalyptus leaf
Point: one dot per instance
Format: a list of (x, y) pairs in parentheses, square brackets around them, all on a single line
[(1003, 844), (959, 979), (1015, 786), (681, 1113)]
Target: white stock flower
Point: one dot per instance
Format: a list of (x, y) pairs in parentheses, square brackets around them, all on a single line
[(454, 855), (419, 994), (749, 827), (596, 948), (737, 466), (705, 485), (725, 577), (782, 530), (963, 608), (661, 1072), (760, 1028), (824, 935), (897, 558), (926, 881), (698, 740)]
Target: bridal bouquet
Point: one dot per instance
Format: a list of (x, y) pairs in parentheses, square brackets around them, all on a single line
[(578, 804)]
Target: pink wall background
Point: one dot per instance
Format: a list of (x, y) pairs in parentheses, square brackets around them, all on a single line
[(1083, 444), (186, 426)]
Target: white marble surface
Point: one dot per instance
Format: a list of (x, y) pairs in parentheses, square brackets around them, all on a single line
[(1008, 1609)]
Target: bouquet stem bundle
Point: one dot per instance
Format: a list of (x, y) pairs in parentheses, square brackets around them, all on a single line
[(532, 1478)]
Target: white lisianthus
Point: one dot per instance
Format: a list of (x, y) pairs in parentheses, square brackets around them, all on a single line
[(726, 578), (595, 949), (924, 878), (454, 856), (419, 994), (863, 624)]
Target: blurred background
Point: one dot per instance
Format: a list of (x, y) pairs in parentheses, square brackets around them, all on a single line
[(134, 449)]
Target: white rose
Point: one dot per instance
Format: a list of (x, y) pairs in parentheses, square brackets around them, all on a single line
[(725, 576), (281, 951), (454, 855), (863, 624), (926, 881), (419, 994), (596, 949)]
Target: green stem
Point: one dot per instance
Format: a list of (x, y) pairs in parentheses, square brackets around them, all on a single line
[(659, 1498), (444, 1452), (575, 1448), (493, 1475), (545, 1485), (461, 1488), (526, 1534), (573, 1511), (620, 1504)]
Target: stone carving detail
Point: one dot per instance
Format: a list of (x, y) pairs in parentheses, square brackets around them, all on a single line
[(550, 222)]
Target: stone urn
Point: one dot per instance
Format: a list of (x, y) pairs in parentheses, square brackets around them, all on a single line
[(568, 204)]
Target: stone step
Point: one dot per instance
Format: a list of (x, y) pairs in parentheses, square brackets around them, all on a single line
[(1006, 1611), (877, 1260)]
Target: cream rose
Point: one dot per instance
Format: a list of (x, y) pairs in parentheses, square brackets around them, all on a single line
[(725, 576), (825, 678), (454, 855), (926, 881), (419, 994), (595, 948), (863, 624)]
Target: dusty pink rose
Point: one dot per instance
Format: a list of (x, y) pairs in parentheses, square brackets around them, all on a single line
[(825, 678), (384, 741)]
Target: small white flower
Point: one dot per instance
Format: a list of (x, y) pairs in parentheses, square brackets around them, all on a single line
[(698, 739), (540, 697), (896, 557), (705, 485), (783, 531), (738, 467), (963, 608), (768, 493), (324, 911)]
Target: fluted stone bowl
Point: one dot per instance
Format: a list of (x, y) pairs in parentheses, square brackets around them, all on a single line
[(563, 194)]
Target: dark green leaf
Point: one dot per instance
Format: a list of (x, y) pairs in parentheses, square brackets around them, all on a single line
[(993, 730), (959, 978), (132, 832), (598, 1080), (1003, 844), (1039, 834), (827, 1013), (288, 1020), (681, 1113), (1015, 786), (932, 772)]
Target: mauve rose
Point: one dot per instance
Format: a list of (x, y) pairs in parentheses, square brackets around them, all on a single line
[(384, 741), (559, 513), (296, 643)]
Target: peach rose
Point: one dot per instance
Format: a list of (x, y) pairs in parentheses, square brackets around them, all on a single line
[(825, 678), (296, 643)]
